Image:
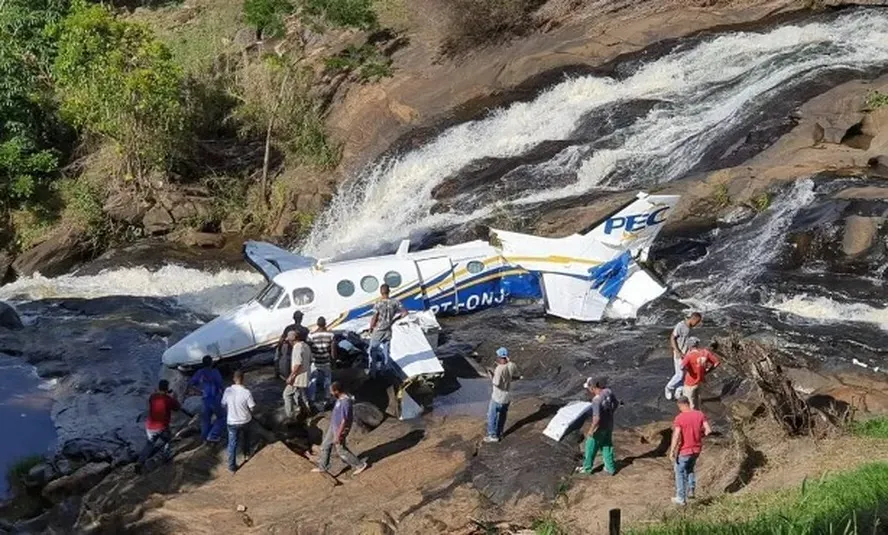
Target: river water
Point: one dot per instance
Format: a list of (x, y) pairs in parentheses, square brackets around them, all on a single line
[(651, 122)]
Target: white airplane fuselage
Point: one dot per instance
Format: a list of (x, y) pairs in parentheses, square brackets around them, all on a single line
[(446, 280)]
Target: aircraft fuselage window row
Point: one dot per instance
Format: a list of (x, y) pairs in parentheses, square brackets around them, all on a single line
[(369, 284)]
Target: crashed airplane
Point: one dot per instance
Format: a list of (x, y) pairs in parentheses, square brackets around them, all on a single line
[(581, 277)]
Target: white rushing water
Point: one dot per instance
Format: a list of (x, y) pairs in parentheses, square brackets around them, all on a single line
[(704, 91), (826, 310), (199, 291), (741, 254)]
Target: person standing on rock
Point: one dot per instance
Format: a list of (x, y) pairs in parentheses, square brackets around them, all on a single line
[(284, 347), (161, 405), (501, 396), (208, 381), (688, 430), (385, 313), (296, 391), (239, 403), (678, 342), (695, 364), (340, 424), (323, 353), (599, 436)]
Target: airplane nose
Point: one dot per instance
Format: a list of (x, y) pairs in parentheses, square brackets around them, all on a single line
[(181, 354)]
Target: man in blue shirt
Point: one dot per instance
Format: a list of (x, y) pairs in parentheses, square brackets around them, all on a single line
[(208, 381)]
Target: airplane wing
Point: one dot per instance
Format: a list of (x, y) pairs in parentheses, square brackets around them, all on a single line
[(270, 260)]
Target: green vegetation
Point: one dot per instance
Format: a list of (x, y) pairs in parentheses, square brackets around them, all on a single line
[(761, 202), (97, 102), (846, 503), (16, 473), (876, 100), (874, 428), (267, 16), (548, 526), (369, 64), (118, 83), (721, 196)]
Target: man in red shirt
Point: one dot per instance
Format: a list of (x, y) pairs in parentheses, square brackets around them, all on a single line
[(161, 405), (688, 430), (696, 362)]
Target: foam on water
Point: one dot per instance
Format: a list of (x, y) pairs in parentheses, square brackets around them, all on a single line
[(826, 310), (199, 291), (706, 91)]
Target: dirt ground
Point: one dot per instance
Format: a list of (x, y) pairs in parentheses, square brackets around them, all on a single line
[(434, 475)]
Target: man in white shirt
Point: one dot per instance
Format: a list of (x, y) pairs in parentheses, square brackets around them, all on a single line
[(296, 391), (501, 396), (239, 402)]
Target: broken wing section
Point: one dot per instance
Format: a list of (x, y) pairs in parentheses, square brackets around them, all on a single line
[(271, 260)]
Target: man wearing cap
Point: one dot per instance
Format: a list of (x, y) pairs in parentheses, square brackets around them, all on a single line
[(599, 436), (696, 362), (501, 397)]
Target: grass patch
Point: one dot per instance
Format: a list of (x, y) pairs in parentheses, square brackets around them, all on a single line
[(876, 100), (18, 471), (848, 503), (760, 202), (548, 526), (367, 62), (721, 196), (873, 428)]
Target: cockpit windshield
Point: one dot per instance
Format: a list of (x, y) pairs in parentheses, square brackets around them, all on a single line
[(269, 295)]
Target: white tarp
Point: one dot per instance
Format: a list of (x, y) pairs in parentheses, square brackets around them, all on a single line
[(410, 350), (566, 417)]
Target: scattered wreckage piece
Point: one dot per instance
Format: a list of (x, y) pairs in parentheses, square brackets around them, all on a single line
[(566, 418)]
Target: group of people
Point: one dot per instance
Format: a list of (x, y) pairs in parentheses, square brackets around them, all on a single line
[(691, 362), (304, 362)]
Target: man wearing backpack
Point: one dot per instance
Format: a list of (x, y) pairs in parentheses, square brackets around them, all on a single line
[(599, 436)]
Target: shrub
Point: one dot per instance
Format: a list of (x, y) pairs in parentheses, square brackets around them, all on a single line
[(347, 13), (116, 81), (267, 16), (476, 24), (874, 427), (876, 100), (19, 469), (366, 62)]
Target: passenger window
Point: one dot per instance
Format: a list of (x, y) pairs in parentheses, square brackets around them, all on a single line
[(303, 296), (393, 279), (285, 302), (475, 266), (369, 284), (345, 288)]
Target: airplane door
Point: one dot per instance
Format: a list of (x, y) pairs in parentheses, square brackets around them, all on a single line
[(439, 290)]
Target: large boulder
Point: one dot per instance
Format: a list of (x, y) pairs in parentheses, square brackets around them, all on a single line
[(860, 233), (55, 256), (125, 206), (9, 318), (158, 220), (78, 483)]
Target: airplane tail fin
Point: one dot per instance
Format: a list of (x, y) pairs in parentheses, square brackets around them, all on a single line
[(635, 226)]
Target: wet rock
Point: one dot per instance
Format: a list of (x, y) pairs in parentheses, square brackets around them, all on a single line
[(879, 165), (125, 206), (49, 369), (6, 273), (77, 483), (736, 215), (9, 318), (56, 256), (206, 240), (860, 233), (40, 475), (367, 415), (157, 220)]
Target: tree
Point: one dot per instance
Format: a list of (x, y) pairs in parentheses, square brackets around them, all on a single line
[(267, 16), (28, 124), (116, 81)]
